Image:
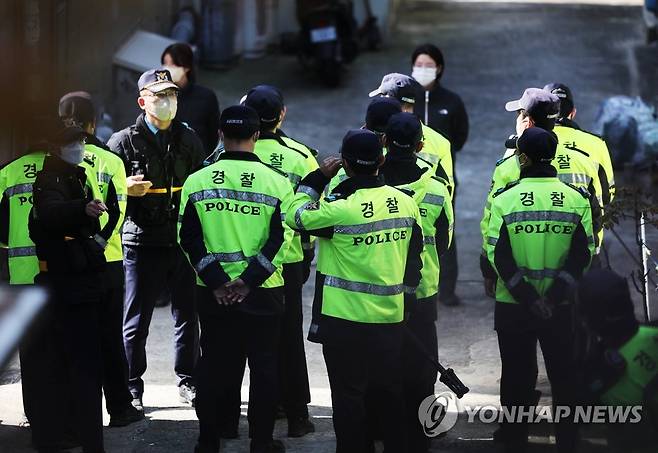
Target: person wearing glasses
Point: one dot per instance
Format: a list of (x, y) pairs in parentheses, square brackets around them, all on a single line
[(159, 153)]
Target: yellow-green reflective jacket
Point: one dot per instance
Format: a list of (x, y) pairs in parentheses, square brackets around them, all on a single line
[(110, 174), (436, 149), (272, 150), (540, 216), (230, 222), (363, 251)]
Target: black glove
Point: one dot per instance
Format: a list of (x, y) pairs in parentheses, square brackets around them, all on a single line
[(541, 308), (309, 254)]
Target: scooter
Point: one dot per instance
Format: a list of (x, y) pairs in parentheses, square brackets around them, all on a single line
[(328, 37)]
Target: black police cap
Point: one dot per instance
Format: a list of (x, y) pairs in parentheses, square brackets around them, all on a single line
[(566, 97), (267, 102), (403, 132), (537, 102), (156, 80), (379, 112), (398, 86), (76, 107), (68, 134), (538, 144), (362, 147), (239, 121)]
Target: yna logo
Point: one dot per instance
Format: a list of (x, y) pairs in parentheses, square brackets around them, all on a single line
[(438, 413)]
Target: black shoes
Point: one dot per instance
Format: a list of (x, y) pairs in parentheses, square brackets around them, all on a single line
[(130, 415), (273, 446), (187, 393), (300, 426)]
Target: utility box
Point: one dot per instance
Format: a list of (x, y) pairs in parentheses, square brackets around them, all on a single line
[(141, 52)]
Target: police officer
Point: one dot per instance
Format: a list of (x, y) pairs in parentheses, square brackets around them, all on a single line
[(539, 240), (539, 108), (273, 150), (621, 362), (438, 150), (42, 371), (576, 138), (64, 226), (378, 113), (231, 229), (77, 109), (159, 153), (403, 138), (358, 310)]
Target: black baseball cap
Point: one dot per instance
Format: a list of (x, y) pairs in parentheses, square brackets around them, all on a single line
[(361, 146), (76, 107), (266, 101), (239, 121), (566, 97), (68, 134), (538, 144), (537, 102), (403, 132), (398, 86), (605, 300), (379, 111), (156, 80)]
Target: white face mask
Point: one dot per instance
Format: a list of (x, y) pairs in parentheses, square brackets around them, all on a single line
[(424, 76), (177, 73), (73, 153), (163, 108)]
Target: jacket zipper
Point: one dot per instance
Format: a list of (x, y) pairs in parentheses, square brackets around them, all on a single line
[(427, 101)]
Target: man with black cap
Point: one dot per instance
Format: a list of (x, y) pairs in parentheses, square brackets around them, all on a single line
[(77, 109), (403, 139), (540, 108), (232, 232), (436, 149), (587, 143), (621, 359), (272, 149), (159, 153), (64, 225), (539, 241), (358, 310)]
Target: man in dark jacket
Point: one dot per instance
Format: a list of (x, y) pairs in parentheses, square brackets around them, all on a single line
[(64, 226), (159, 154), (443, 111)]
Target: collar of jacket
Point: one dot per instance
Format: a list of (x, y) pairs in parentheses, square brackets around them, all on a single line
[(540, 170), (93, 140), (238, 155), (351, 185), (53, 163), (566, 122), (142, 129), (272, 136), (400, 169)]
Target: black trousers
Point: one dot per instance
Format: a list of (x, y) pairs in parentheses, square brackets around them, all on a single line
[(518, 353), (293, 375), (115, 366), (365, 360), (46, 404), (148, 270), (419, 374), (228, 339), (448, 263)]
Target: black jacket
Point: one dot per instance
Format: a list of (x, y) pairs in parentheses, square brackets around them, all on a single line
[(151, 220), (63, 233), (198, 108), (445, 114)]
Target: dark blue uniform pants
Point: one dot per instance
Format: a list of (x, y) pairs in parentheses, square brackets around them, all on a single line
[(295, 391), (365, 360), (148, 271), (228, 339), (115, 366)]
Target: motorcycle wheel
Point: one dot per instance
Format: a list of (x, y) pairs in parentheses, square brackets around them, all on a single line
[(331, 73)]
